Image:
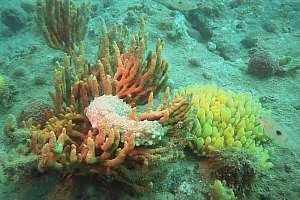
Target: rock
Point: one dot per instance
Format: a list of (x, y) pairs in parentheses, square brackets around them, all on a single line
[(131, 19), (211, 11), (3, 62), (202, 24), (267, 99), (270, 27), (108, 3), (36, 112), (179, 4), (173, 35), (39, 80), (165, 25), (7, 93), (211, 46), (207, 76), (288, 168), (19, 72), (28, 6), (185, 188), (235, 3), (227, 50), (262, 64), (94, 9), (240, 25), (6, 32), (194, 62), (249, 42), (13, 18)]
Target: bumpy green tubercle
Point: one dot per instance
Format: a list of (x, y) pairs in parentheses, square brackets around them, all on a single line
[(226, 119)]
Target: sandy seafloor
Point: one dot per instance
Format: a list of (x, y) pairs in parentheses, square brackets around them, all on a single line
[(26, 49)]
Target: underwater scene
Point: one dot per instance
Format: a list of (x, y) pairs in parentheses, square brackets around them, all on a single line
[(150, 99)]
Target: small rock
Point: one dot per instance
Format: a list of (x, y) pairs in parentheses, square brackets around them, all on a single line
[(262, 64), (92, 33), (6, 32), (131, 18), (267, 99), (228, 51), (108, 3), (284, 60), (270, 27), (207, 76), (94, 10), (211, 46), (194, 62), (185, 188), (286, 29), (201, 24), (265, 196), (7, 93), (171, 84), (173, 35), (235, 3), (165, 25), (297, 107), (3, 62), (39, 80), (288, 168), (239, 25), (249, 42), (56, 59), (28, 6), (14, 19), (19, 72)]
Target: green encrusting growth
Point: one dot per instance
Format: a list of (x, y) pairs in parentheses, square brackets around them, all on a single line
[(226, 119)]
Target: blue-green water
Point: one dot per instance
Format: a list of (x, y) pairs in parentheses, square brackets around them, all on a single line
[(240, 46)]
